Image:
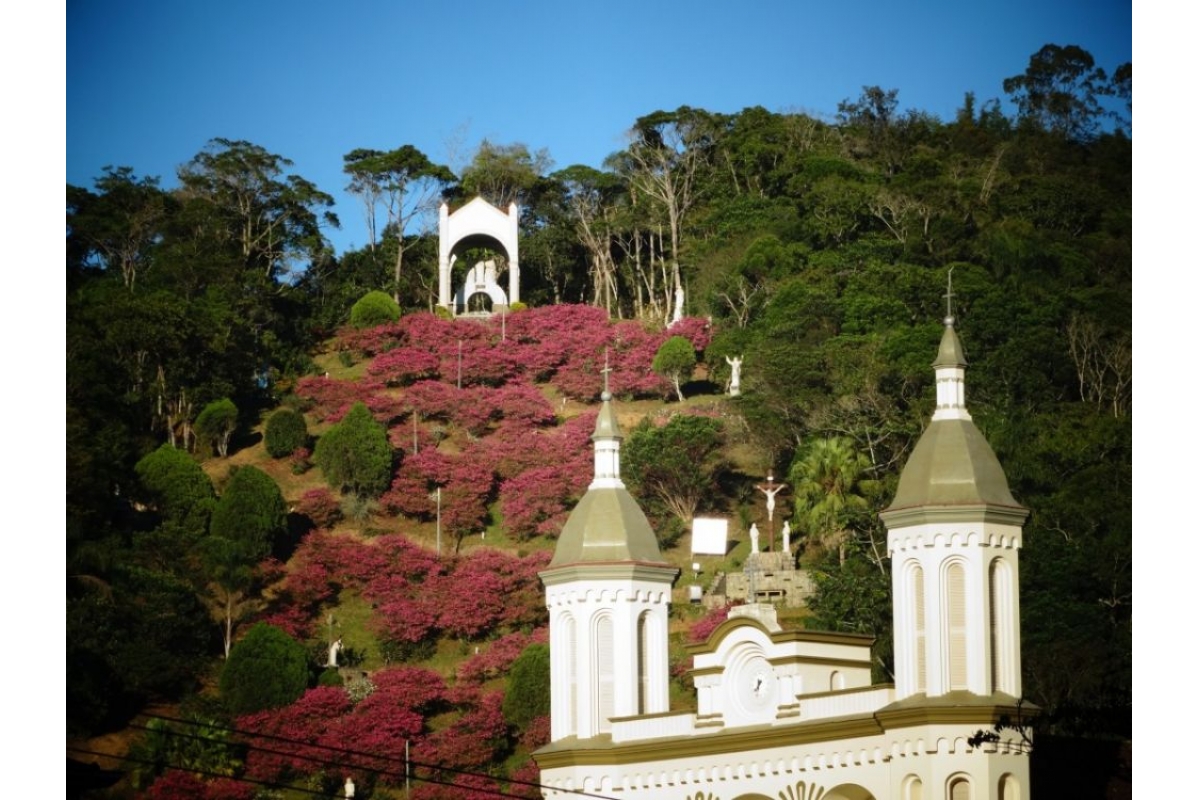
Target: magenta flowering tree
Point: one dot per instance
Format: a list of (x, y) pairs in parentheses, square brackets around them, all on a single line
[(497, 656), (489, 590), (403, 366)]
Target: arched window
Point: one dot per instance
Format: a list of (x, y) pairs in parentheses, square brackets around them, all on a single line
[(1000, 599), (956, 624), (643, 663), (913, 788), (1009, 788), (960, 789), (918, 593), (836, 681), (604, 673), (572, 676)]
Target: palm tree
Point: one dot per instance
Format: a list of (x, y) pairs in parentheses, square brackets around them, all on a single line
[(830, 485)]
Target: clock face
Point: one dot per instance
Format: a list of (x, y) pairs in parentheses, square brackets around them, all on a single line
[(756, 685)]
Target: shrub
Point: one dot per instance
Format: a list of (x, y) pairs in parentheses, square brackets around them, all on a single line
[(527, 691), (517, 306), (266, 669), (216, 424), (355, 454), (251, 512), (176, 485), (320, 506), (330, 677), (374, 308), (286, 432), (675, 361)]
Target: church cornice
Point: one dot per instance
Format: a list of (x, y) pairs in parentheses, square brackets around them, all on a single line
[(954, 708), (609, 570), (895, 518), (710, 644), (601, 751)]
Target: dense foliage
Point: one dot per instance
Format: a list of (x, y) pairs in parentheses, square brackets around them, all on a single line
[(286, 432), (355, 455), (374, 308), (266, 669)]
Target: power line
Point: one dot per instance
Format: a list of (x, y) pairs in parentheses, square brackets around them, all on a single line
[(410, 764)]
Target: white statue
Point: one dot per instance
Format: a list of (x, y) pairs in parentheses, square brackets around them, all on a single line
[(787, 537), (349, 787), (334, 649), (753, 537), (735, 380), (678, 313)]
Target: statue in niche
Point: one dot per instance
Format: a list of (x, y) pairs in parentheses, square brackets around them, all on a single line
[(753, 537)]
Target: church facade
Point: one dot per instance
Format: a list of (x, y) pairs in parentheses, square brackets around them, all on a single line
[(792, 715)]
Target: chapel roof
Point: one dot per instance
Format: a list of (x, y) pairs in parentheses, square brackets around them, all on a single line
[(607, 525), (952, 464)]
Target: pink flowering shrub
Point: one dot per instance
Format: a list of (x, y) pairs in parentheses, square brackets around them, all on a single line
[(495, 658)]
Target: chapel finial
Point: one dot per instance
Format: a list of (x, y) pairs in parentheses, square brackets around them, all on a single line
[(606, 395), (949, 320)]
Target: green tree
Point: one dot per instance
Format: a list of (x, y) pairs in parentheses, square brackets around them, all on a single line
[(266, 669), (674, 465), (286, 432), (527, 688), (829, 481), (675, 361), (118, 226), (249, 517), (178, 488), (216, 424), (663, 162), (355, 455), (274, 218), (374, 308), (405, 181), (1059, 91), (504, 173)]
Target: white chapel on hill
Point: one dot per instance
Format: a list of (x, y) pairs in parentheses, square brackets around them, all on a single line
[(792, 715)]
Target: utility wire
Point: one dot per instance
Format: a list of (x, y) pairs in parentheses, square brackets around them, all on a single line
[(360, 754)]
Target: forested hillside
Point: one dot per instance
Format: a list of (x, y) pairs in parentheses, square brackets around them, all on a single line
[(243, 449)]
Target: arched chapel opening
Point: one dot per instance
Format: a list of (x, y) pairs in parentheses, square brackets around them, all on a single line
[(484, 238)]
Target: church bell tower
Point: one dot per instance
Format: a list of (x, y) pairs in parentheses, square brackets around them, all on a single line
[(608, 590), (954, 530)]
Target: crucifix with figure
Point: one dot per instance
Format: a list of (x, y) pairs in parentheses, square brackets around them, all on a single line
[(770, 489)]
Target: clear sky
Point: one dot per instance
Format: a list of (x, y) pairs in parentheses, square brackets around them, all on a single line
[(148, 83)]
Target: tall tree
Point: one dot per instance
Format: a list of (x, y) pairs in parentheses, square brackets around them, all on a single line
[(275, 219), (118, 225), (248, 518), (664, 158), (405, 181), (592, 195), (1059, 91), (830, 485), (505, 173)]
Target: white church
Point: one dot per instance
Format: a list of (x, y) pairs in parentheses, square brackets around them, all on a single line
[(792, 715)]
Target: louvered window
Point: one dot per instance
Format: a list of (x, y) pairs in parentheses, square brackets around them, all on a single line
[(604, 674), (919, 625), (956, 601)]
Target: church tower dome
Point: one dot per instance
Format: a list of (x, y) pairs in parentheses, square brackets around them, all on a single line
[(608, 591), (954, 530)]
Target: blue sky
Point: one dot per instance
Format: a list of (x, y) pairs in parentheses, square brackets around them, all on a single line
[(148, 83)]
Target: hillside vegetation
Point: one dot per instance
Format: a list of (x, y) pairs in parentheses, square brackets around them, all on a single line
[(816, 250)]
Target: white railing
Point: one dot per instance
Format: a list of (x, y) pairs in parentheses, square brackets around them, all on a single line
[(844, 704), (653, 727)]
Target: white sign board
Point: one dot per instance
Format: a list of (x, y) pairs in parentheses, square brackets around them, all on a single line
[(708, 536)]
